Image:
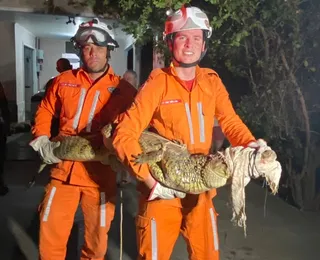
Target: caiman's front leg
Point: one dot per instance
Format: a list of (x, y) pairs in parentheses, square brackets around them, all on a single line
[(150, 157)]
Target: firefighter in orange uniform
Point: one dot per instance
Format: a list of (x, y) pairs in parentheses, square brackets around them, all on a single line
[(85, 100), (180, 103)]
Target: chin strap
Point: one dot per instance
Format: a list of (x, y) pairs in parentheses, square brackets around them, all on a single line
[(189, 65)]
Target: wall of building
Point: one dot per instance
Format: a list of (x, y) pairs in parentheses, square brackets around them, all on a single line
[(52, 51), (61, 6), (23, 38), (118, 59)]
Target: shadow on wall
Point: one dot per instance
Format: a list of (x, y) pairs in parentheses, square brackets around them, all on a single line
[(10, 91), (8, 80)]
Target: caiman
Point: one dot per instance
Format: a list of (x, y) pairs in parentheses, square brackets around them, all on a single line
[(169, 162)]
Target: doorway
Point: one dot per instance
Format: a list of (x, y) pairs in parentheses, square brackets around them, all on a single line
[(146, 61), (28, 81), (130, 59)]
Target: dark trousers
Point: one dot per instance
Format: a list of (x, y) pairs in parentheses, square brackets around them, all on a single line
[(3, 148)]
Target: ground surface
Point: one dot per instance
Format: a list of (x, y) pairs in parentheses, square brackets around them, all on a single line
[(284, 234)]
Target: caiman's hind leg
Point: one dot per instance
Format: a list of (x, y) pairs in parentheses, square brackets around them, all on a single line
[(150, 157), (106, 130), (106, 133)]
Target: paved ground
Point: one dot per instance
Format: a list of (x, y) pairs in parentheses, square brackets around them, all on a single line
[(284, 234)]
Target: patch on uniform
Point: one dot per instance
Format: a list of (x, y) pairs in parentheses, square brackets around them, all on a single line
[(68, 84), (171, 101), (111, 89)]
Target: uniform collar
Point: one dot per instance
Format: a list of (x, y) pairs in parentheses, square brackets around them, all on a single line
[(199, 73), (81, 71), (198, 77)]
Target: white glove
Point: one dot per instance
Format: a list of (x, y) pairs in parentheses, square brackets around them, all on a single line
[(161, 192), (259, 144), (45, 147)]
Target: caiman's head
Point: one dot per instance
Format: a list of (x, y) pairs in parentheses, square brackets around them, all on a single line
[(267, 166)]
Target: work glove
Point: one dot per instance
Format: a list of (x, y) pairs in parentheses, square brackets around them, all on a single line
[(161, 192), (258, 145), (45, 148)]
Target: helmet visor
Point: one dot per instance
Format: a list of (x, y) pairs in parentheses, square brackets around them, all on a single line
[(96, 36)]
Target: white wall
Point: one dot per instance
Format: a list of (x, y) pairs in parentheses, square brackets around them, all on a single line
[(128, 41), (22, 38), (53, 49), (119, 58)]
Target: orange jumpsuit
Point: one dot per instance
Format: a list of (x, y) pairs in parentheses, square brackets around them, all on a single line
[(166, 105), (83, 108)]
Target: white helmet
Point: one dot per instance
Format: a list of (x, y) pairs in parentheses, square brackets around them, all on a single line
[(95, 32), (187, 18)]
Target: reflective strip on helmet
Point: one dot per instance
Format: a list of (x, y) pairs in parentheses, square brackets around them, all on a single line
[(187, 18)]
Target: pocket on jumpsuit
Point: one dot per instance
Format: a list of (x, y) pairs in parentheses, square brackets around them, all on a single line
[(172, 118)]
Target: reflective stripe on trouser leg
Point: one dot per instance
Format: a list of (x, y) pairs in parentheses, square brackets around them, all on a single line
[(48, 206), (214, 230), (154, 239), (102, 209)]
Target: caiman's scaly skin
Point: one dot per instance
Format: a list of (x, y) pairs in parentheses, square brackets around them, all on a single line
[(77, 148), (173, 166), (169, 162)]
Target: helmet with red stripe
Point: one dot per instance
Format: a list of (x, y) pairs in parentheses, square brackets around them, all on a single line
[(95, 32)]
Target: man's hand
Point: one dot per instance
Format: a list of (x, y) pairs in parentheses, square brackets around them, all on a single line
[(259, 144), (45, 148), (161, 192)]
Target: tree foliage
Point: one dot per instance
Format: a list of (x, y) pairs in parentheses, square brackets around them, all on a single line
[(274, 45)]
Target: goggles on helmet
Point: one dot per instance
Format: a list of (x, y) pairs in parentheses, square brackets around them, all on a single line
[(94, 35)]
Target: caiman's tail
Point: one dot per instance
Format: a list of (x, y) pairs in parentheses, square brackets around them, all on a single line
[(33, 181)]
